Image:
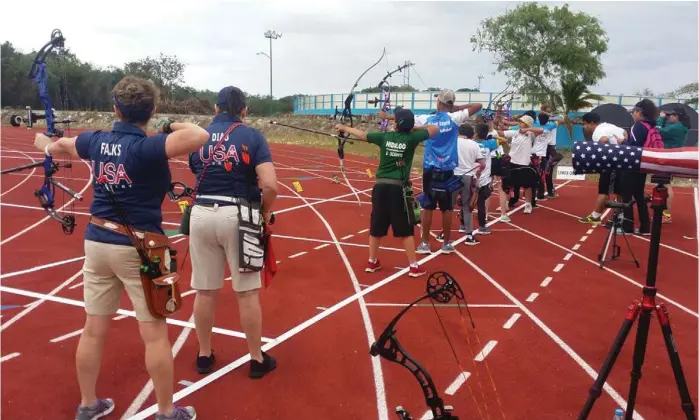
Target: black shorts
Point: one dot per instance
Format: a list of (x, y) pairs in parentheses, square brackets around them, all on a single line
[(524, 176), (388, 209), (496, 168), (445, 203), (609, 183)]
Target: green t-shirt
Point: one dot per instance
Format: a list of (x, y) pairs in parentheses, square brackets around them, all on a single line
[(396, 147)]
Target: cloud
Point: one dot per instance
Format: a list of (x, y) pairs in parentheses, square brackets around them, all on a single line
[(325, 45)]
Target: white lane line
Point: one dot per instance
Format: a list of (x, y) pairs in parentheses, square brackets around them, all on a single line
[(189, 292), (41, 299), (589, 232), (298, 238), (298, 255), (185, 383), (363, 285), (490, 345), (322, 246), (322, 308), (132, 314), (120, 317), (558, 268), (451, 389), (76, 285), (510, 322), (616, 273), (179, 240), (532, 297), (567, 257), (88, 184), (66, 336), (27, 177), (148, 387), (583, 239), (150, 411), (576, 247), (470, 305), (362, 231), (40, 267), (8, 357), (347, 237), (621, 402), (546, 281)]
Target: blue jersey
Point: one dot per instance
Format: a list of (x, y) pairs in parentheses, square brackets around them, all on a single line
[(136, 168), (231, 169), (441, 151)]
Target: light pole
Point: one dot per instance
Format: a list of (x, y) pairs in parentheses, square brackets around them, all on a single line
[(480, 76), (271, 35)]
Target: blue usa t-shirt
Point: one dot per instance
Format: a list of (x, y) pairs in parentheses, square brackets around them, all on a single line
[(441, 151), (136, 168), (231, 171)]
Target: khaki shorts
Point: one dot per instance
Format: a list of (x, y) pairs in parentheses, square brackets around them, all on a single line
[(213, 243), (107, 271)]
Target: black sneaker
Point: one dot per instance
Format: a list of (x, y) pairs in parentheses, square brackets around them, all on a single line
[(205, 363), (258, 370)]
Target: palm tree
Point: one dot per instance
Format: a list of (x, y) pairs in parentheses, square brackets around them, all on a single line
[(573, 96)]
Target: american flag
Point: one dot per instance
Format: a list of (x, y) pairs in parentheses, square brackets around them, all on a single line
[(590, 157)]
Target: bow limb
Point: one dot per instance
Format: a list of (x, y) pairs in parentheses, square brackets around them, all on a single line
[(39, 73), (442, 288)]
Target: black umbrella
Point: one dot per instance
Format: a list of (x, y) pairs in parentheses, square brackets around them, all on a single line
[(691, 139), (613, 114)]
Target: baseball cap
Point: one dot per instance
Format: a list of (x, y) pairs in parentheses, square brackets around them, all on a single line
[(446, 96), (676, 111), (526, 120), (225, 93), (405, 119)]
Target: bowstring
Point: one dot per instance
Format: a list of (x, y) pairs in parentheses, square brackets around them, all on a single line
[(458, 362), (485, 362)]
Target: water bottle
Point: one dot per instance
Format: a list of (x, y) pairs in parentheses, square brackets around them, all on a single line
[(618, 414)]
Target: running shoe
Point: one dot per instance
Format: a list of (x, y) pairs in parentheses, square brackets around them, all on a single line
[(100, 409), (471, 240), (484, 230), (416, 271), (373, 266), (180, 413), (258, 370), (423, 248), (590, 220), (204, 363), (448, 248)]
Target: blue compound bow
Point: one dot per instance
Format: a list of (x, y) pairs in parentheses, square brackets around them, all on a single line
[(46, 194)]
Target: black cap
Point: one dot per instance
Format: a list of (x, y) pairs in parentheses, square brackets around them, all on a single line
[(679, 111), (405, 119)]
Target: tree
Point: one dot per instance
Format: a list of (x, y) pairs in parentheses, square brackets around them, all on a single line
[(646, 93), (166, 71), (468, 90), (689, 93), (574, 96), (537, 46)]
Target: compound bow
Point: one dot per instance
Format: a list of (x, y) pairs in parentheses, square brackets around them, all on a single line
[(385, 87), (46, 194)]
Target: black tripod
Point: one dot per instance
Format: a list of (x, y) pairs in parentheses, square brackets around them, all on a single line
[(617, 224), (645, 308)]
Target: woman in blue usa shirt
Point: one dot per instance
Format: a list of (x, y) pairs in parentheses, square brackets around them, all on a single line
[(136, 167)]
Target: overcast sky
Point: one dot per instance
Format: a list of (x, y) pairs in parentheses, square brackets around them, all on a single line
[(326, 44)]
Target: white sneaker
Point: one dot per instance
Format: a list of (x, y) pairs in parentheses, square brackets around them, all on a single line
[(528, 208), (505, 219)]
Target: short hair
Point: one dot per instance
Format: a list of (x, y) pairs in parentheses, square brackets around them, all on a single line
[(648, 109), (466, 130), (591, 117), (136, 98), (482, 131), (543, 118), (531, 114)]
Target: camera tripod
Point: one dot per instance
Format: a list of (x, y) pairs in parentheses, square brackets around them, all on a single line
[(617, 224), (645, 308)]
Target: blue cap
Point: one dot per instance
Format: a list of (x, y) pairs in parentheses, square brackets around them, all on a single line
[(223, 95), (618, 412)]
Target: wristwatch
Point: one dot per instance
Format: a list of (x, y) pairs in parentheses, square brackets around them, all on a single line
[(166, 127)]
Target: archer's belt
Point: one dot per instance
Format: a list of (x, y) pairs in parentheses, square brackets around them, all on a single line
[(389, 181), (115, 227)]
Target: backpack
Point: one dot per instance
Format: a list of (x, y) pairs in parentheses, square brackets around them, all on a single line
[(654, 140)]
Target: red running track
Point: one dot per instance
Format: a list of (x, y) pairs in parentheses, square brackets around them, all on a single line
[(540, 304)]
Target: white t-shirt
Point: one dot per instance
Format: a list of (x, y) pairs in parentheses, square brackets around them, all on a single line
[(540, 143), (469, 152), (499, 151), (520, 146), (552, 137), (485, 178), (612, 132)]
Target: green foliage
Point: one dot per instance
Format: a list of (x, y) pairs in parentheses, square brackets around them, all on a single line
[(78, 85), (575, 95), (537, 46), (689, 93), (468, 90)]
